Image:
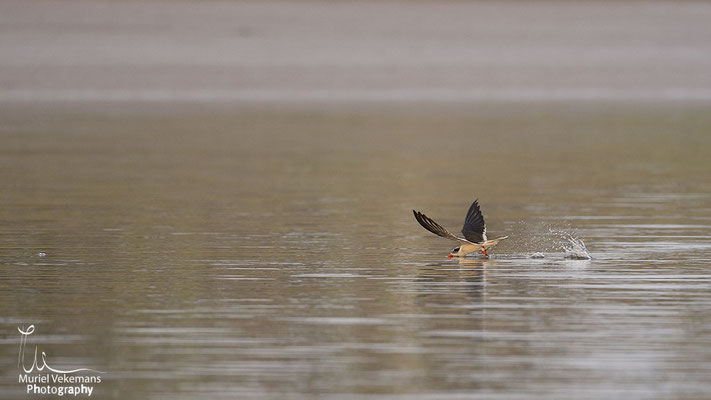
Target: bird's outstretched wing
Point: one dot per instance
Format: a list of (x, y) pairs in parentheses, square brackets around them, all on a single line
[(474, 229), (434, 227)]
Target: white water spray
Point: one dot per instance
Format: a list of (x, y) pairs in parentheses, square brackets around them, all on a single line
[(575, 249), (543, 240)]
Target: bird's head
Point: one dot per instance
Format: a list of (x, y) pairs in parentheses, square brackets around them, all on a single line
[(454, 252)]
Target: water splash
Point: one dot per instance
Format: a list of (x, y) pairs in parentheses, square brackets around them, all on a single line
[(576, 249), (542, 240)]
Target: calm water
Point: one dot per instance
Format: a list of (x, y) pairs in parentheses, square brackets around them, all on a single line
[(266, 253)]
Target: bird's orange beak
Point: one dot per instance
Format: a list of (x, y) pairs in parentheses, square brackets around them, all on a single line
[(484, 252), (450, 255)]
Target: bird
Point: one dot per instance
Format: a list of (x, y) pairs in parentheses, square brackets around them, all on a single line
[(474, 231)]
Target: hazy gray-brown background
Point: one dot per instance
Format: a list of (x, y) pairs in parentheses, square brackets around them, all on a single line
[(316, 50), (213, 199)]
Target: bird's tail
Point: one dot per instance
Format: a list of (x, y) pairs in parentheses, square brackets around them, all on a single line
[(491, 243)]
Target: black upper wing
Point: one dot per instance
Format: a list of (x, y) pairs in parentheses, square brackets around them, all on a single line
[(433, 227), (474, 229)]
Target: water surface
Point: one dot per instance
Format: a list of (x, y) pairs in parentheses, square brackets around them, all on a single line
[(272, 253)]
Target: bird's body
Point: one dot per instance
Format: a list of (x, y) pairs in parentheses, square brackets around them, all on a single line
[(474, 231)]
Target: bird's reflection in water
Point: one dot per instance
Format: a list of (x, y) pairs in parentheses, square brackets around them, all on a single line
[(452, 294), (457, 277)]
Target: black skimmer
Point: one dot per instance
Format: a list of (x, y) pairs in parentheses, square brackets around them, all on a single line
[(474, 231)]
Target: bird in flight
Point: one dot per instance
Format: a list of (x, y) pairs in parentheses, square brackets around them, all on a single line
[(474, 231)]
